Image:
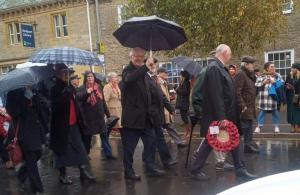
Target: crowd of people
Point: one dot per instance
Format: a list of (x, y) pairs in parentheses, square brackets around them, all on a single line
[(139, 106)]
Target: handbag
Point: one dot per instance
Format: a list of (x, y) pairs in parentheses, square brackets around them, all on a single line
[(272, 92), (14, 149)]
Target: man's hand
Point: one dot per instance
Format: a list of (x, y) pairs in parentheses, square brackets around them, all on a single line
[(150, 64), (223, 124), (244, 109)]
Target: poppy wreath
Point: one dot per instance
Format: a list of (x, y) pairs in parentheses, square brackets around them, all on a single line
[(4, 121), (224, 145)]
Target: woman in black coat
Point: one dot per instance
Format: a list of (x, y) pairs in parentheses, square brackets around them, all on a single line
[(183, 102), (93, 109), (65, 135), (25, 108)]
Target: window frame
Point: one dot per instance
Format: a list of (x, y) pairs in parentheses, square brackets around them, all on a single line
[(59, 25), (292, 59), (14, 33)]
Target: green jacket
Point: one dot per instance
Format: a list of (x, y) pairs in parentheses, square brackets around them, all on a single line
[(197, 96)]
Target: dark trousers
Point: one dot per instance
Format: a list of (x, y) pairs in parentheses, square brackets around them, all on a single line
[(162, 147), (246, 126), (203, 153), (32, 172), (173, 133), (3, 152), (130, 139)]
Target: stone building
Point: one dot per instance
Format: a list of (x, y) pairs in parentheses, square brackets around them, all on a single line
[(57, 23)]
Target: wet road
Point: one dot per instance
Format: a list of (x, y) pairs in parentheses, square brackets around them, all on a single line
[(275, 157)]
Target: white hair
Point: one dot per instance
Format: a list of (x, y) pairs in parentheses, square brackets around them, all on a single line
[(111, 75), (222, 48), (243, 63), (136, 50)]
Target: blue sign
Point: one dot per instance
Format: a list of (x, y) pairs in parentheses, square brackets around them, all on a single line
[(27, 35)]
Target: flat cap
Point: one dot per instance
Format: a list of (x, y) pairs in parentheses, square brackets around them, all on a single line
[(248, 59)]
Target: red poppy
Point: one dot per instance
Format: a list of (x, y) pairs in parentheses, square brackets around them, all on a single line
[(227, 140)]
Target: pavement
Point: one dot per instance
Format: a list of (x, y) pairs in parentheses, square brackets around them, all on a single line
[(276, 156)]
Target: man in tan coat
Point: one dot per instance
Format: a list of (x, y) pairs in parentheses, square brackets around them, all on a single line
[(162, 79)]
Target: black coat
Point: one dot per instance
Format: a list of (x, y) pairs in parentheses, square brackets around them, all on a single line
[(135, 98), (218, 96), (183, 96), (92, 116), (27, 113), (61, 95), (158, 102)]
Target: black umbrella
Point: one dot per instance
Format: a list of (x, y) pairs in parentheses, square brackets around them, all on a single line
[(188, 64), (150, 33), (23, 77)]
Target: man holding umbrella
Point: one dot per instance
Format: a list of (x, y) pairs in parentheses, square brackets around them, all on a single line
[(136, 101), (218, 105)]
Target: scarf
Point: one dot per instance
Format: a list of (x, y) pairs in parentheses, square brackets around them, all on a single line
[(95, 95)]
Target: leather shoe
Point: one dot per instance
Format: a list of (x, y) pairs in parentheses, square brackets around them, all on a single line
[(250, 149), (65, 180), (201, 176), (182, 145), (155, 173), (132, 176), (224, 166), (170, 164), (243, 173)]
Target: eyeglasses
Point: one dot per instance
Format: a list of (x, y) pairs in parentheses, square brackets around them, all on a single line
[(138, 56)]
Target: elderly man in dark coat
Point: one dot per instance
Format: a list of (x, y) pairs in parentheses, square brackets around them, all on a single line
[(65, 135), (136, 122), (218, 105), (157, 116), (246, 94)]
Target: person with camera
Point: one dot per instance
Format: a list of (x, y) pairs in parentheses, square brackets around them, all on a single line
[(292, 85), (93, 108)]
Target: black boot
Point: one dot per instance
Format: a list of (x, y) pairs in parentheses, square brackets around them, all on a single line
[(243, 173), (132, 176), (63, 178), (249, 148), (85, 174)]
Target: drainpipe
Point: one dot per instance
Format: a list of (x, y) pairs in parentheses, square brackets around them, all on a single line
[(89, 24), (89, 27), (98, 21), (99, 28)]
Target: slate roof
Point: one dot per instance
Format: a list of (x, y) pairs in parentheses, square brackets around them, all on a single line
[(10, 4)]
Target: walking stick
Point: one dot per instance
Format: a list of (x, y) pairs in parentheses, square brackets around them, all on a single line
[(194, 121)]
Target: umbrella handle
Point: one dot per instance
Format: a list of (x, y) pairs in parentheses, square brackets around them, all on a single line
[(151, 53)]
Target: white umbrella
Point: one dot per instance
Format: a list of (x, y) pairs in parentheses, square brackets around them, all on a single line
[(30, 64)]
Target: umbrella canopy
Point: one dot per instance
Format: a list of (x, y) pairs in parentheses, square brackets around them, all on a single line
[(30, 64), (19, 78), (188, 64), (65, 55), (150, 33)]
